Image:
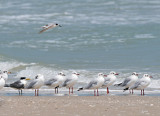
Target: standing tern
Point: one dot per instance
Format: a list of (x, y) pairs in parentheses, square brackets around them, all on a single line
[(5, 75), (142, 83), (56, 81), (36, 83), (70, 82), (95, 84), (20, 84), (109, 80), (129, 81), (2, 82)]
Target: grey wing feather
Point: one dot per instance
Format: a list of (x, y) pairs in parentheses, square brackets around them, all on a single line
[(17, 85), (125, 82), (50, 81), (66, 82), (136, 85), (31, 85), (91, 84), (43, 30)]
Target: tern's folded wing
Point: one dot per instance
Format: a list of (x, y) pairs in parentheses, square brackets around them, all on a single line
[(91, 84), (50, 81), (17, 85)]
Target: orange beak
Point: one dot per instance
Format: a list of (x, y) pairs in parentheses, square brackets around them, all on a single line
[(151, 77)]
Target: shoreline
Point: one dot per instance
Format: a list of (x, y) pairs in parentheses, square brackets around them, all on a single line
[(79, 106), (64, 92)]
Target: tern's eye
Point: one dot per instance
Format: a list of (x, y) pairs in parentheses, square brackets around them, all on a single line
[(146, 75)]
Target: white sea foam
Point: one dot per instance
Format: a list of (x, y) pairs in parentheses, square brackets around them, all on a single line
[(9, 65), (144, 36), (32, 69), (155, 84)]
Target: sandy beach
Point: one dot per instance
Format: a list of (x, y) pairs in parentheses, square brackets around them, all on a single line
[(79, 106)]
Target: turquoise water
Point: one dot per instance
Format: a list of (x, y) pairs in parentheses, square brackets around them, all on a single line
[(96, 36)]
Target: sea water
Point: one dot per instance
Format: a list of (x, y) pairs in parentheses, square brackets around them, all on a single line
[(96, 36)]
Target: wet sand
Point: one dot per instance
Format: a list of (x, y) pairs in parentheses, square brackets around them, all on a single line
[(79, 105)]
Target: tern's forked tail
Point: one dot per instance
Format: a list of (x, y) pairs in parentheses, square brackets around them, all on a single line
[(125, 89), (118, 84), (80, 89)]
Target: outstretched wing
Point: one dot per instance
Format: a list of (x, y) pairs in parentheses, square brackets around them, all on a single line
[(45, 29)]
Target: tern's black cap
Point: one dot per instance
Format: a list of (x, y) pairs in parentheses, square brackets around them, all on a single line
[(22, 78)]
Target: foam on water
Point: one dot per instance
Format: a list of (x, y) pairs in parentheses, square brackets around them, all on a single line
[(32, 69)]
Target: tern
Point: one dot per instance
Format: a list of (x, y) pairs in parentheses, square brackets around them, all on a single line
[(56, 81), (95, 83), (49, 26), (20, 84), (70, 82), (142, 83), (129, 81), (109, 80), (37, 83)]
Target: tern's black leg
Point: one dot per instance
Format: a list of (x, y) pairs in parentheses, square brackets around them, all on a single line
[(35, 92), (19, 92)]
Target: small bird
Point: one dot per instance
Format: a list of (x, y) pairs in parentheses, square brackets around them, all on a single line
[(95, 84), (70, 82), (20, 84), (36, 84), (56, 81), (49, 26), (129, 81), (142, 83), (5, 75), (2, 82), (109, 80)]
